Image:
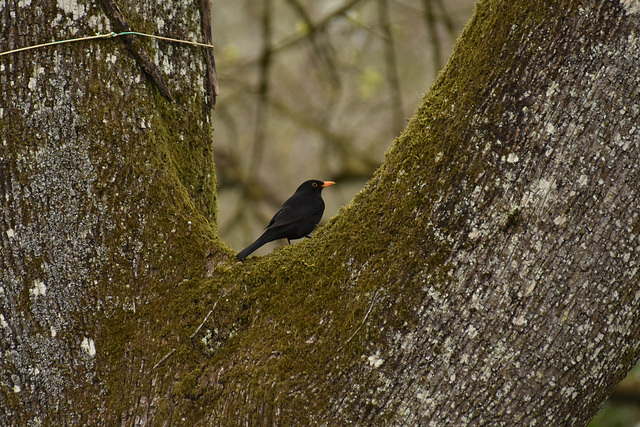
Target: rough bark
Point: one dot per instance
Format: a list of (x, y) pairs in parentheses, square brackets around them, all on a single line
[(103, 184), (487, 274)]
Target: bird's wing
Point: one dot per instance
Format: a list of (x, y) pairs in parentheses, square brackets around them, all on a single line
[(296, 209)]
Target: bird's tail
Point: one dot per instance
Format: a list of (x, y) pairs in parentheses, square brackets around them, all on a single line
[(252, 247)]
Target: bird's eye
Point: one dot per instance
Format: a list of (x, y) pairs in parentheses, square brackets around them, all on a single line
[(315, 184)]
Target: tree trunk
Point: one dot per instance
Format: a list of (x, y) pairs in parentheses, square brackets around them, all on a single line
[(108, 196), (487, 274)]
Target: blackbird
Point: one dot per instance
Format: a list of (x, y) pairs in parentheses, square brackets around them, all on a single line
[(296, 218)]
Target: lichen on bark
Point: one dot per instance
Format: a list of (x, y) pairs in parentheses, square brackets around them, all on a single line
[(487, 274)]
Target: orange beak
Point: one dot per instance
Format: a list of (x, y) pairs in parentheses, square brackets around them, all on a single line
[(327, 183)]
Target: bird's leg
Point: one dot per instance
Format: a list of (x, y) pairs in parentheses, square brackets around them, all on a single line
[(308, 237)]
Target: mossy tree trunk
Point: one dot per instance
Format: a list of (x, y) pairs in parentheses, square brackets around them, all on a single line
[(487, 274), (108, 198)]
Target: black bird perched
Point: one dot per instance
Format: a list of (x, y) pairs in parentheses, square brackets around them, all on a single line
[(296, 218)]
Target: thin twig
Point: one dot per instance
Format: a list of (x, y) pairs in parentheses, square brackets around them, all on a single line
[(136, 48), (204, 321), (163, 359), (166, 356), (373, 300)]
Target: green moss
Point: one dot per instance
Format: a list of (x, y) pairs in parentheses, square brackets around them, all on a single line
[(187, 387), (513, 219)]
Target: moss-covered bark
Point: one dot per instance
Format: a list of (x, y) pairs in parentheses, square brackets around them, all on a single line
[(108, 199), (487, 274)]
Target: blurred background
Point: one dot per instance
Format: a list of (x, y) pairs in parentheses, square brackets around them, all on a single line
[(316, 89), (319, 89)]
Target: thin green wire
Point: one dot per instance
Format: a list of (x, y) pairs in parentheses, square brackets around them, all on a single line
[(104, 36)]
